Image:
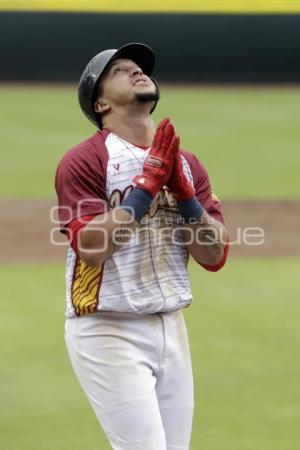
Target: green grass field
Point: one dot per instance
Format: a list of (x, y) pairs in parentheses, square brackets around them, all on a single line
[(248, 138), (243, 324), (244, 332)]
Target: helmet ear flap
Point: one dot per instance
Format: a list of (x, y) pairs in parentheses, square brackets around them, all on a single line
[(88, 84), (158, 93)]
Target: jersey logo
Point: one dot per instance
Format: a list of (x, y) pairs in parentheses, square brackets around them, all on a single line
[(214, 197), (117, 167), (163, 199)]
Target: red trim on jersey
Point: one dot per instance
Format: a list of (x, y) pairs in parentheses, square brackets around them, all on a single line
[(74, 227), (218, 266)]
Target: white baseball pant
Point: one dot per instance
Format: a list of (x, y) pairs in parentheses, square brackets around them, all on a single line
[(136, 371)]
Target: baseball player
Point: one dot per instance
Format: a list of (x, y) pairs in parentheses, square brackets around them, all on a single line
[(134, 206)]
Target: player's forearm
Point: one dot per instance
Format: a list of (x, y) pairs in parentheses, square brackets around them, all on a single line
[(104, 235), (209, 238)]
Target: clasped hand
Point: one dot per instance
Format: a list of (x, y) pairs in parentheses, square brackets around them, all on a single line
[(163, 165)]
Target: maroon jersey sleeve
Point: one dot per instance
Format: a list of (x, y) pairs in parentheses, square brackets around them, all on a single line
[(208, 200), (202, 186), (80, 181)]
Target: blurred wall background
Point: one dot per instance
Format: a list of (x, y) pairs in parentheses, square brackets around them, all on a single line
[(194, 40)]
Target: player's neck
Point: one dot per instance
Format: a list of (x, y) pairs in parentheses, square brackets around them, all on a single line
[(137, 129)]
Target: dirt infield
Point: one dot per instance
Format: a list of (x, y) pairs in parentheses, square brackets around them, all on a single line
[(26, 228)]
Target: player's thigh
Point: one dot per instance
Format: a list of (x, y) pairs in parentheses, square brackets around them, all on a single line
[(175, 389), (120, 387), (177, 422)]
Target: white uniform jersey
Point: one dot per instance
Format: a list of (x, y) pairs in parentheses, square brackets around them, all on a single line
[(149, 273)]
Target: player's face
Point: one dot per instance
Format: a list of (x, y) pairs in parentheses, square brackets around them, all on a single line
[(124, 83)]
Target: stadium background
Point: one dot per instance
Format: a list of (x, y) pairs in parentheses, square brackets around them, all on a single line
[(229, 73)]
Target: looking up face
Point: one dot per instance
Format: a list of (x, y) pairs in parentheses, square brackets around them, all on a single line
[(124, 83)]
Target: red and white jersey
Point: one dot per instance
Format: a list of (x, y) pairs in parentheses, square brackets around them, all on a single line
[(149, 273)]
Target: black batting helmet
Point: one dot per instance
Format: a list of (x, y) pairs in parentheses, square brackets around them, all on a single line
[(141, 54)]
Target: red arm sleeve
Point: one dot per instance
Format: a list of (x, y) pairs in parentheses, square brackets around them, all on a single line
[(207, 198), (74, 228), (80, 181)]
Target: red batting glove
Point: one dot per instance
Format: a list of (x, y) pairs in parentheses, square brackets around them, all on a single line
[(159, 162), (178, 183)]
